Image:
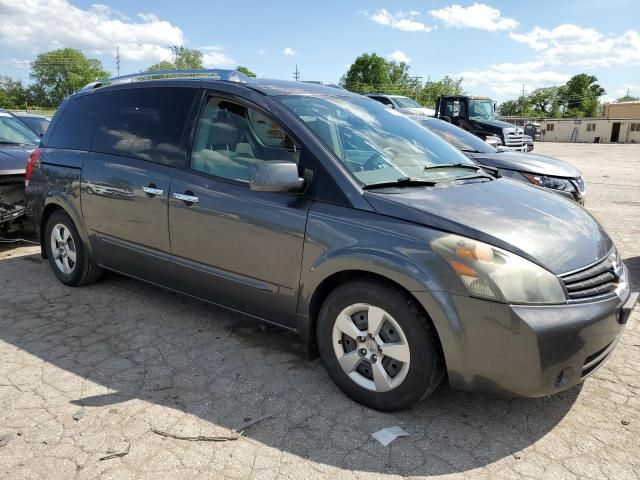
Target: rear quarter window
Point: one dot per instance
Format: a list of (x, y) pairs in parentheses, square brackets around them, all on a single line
[(146, 123), (74, 129)]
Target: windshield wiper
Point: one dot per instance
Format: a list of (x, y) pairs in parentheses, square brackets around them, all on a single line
[(470, 150), (451, 165), (401, 182)]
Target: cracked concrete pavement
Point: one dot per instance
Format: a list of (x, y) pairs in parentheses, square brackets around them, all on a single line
[(86, 375)]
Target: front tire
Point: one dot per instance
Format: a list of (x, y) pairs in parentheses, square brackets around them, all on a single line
[(66, 253), (378, 346)]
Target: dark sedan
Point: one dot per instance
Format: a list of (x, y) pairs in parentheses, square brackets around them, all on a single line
[(16, 142), (545, 172), (37, 123)]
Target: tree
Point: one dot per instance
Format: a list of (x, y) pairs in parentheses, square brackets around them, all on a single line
[(12, 93), (516, 108), (246, 71), (545, 102), (398, 74), (510, 108), (447, 86), (163, 65), (183, 59), (628, 98), (369, 72), (579, 97), (59, 73)]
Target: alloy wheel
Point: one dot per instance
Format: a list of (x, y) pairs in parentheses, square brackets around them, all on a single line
[(63, 249), (371, 347)]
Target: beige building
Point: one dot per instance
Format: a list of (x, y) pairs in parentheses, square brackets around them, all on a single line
[(585, 130), (622, 110)]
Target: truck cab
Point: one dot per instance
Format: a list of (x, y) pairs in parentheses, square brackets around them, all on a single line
[(477, 115)]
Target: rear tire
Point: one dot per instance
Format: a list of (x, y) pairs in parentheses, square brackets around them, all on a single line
[(378, 346), (66, 253)]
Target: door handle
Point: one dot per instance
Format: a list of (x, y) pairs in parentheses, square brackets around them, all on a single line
[(151, 190), (185, 198)]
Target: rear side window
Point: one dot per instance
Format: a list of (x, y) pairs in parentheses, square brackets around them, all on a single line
[(74, 129), (145, 123)]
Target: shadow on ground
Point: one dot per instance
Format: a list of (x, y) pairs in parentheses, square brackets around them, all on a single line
[(134, 341)]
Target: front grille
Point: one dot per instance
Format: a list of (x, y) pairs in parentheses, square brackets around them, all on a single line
[(514, 138), (599, 280)]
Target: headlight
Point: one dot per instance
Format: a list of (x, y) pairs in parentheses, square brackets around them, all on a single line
[(493, 273), (554, 183)]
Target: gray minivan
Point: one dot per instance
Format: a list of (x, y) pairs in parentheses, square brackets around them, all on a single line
[(395, 257)]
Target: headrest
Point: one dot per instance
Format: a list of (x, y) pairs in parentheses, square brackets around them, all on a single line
[(223, 133)]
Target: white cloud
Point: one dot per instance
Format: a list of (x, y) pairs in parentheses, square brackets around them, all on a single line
[(215, 57), (404, 21), (569, 44), (35, 26), (289, 52), (15, 63), (506, 79), (399, 56), (478, 15), (261, 51)]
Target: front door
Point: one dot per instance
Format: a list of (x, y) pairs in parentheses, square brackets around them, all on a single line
[(615, 132), (125, 180), (232, 245)]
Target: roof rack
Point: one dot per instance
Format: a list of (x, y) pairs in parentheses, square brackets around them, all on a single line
[(219, 74)]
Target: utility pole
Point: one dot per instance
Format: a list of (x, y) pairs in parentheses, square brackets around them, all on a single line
[(415, 86), (296, 74), (117, 60), (523, 100)]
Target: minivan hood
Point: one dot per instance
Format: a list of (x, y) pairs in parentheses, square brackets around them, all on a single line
[(529, 163), (543, 227), (13, 158)]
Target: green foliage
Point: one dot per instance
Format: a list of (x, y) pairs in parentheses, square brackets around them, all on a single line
[(183, 59), (628, 98), (163, 65), (368, 73), (579, 97), (447, 86), (510, 108), (544, 102), (246, 71), (372, 73), (12, 93), (60, 73)]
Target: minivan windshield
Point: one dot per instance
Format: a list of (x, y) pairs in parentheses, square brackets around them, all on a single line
[(375, 143), (459, 138), (14, 132)]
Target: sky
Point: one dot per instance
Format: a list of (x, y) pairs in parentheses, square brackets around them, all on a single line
[(497, 47)]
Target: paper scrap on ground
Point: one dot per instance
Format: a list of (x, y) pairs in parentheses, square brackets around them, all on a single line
[(389, 434)]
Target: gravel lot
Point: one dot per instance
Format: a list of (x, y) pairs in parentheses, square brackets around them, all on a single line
[(89, 376)]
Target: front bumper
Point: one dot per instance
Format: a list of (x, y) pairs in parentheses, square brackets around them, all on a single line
[(521, 148), (533, 351)]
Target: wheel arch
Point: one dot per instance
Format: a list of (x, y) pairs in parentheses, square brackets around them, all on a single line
[(60, 202), (333, 281)]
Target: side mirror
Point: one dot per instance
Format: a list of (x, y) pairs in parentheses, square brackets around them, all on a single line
[(275, 176)]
